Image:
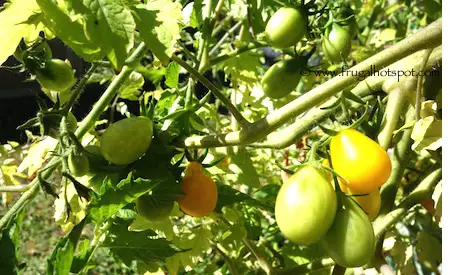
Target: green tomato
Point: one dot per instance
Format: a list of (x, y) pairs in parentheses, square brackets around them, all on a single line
[(78, 164), (152, 210), (350, 242), (126, 140), (282, 78), (286, 27), (57, 75), (306, 205), (336, 43)]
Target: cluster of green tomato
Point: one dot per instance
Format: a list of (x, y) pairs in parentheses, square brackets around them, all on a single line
[(285, 29), (308, 210)]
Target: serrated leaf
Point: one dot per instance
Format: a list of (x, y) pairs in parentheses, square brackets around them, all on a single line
[(20, 19), (127, 191), (130, 89), (157, 23), (172, 73), (110, 25), (242, 165), (427, 134), (61, 259), (70, 30), (131, 246), (243, 67)]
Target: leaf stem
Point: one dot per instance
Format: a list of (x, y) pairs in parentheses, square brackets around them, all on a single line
[(224, 37), (426, 56), (262, 261), (234, 111), (14, 188)]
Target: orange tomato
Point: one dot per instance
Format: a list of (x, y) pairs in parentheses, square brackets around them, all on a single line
[(200, 191), (362, 162)]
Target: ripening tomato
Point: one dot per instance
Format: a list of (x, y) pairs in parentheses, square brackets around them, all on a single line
[(78, 164), (282, 78), (126, 140), (286, 27), (153, 210), (336, 43), (200, 192), (305, 206), (362, 162), (57, 75), (350, 242)]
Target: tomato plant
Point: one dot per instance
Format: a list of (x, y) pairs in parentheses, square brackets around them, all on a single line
[(282, 78), (126, 140), (363, 163), (350, 240), (286, 27), (200, 192), (56, 75), (336, 43), (308, 192), (192, 114)]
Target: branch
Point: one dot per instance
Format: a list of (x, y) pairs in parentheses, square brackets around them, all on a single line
[(224, 37), (227, 259), (14, 188), (248, 47), (431, 36), (426, 56), (233, 110)]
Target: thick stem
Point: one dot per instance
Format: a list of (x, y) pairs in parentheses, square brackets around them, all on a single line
[(233, 110), (420, 83), (426, 38), (14, 188), (99, 107), (422, 192)]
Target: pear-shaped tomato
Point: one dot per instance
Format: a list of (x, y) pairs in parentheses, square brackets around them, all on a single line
[(286, 27), (78, 164), (200, 192), (282, 78), (370, 203), (350, 242), (336, 43), (153, 210), (362, 162), (306, 205), (127, 140)]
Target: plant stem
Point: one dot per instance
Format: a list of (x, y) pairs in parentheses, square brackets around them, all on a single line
[(79, 88), (14, 188), (262, 261), (249, 47), (99, 107), (430, 36), (224, 37), (227, 259), (420, 83), (234, 111), (422, 192)]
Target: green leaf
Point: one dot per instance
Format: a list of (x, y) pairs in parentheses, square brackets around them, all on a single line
[(157, 23), (70, 30), (228, 196), (9, 246), (243, 67), (61, 259), (81, 259), (172, 72), (242, 165), (427, 134), (110, 25), (429, 250), (128, 190), (130, 89), (143, 246), (20, 19)]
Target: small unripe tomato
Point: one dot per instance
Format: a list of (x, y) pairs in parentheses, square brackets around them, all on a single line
[(200, 192), (78, 164), (336, 43), (363, 163), (57, 75), (286, 27)]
